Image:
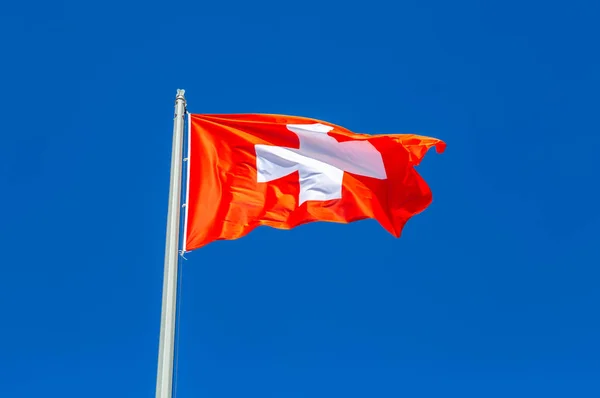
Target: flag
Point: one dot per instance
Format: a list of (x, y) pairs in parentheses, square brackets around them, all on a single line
[(249, 170)]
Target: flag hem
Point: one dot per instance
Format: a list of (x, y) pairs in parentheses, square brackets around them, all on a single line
[(187, 181)]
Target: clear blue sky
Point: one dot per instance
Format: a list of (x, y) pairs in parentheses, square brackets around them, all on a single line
[(492, 292)]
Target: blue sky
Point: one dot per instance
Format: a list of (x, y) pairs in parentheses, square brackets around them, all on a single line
[(491, 292)]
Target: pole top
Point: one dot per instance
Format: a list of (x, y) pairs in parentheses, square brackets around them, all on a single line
[(180, 94)]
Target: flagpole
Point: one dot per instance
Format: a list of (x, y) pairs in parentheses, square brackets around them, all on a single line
[(164, 377)]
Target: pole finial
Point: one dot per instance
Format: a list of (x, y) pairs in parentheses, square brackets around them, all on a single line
[(180, 93)]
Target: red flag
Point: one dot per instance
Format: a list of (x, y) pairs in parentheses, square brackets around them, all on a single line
[(283, 171)]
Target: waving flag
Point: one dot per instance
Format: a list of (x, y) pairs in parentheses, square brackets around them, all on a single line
[(282, 171)]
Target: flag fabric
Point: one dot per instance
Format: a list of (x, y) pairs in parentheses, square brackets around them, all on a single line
[(249, 170)]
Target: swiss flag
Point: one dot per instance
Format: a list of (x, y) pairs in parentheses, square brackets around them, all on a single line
[(282, 171)]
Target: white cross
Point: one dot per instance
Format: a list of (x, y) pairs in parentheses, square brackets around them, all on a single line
[(321, 162)]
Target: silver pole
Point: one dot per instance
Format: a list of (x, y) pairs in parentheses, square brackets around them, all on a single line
[(164, 378)]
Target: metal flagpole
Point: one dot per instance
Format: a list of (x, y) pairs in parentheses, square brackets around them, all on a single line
[(164, 377)]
